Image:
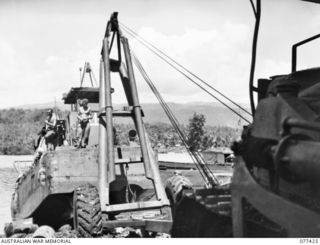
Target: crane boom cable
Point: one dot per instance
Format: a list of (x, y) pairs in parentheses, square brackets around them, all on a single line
[(196, 156), (127, 29), (193, 81), (174, 124), (94, 79), (170, 115)]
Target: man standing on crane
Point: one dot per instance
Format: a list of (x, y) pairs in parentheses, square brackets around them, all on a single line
[(84, 115)]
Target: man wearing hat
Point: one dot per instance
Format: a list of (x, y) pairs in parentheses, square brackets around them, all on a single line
[(50, 124)]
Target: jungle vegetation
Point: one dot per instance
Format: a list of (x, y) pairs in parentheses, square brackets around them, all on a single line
[(19, 129)]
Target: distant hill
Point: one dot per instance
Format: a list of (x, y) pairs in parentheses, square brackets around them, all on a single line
[(216, 114), (59, 104)]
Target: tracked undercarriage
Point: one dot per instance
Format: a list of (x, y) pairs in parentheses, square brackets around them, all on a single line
[(274, 190)]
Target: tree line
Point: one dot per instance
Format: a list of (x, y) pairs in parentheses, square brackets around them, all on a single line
[(19, 129)]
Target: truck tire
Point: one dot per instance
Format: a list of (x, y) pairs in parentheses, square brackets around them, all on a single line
[(87, 216)]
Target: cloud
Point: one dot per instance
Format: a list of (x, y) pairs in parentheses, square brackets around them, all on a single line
[(42, 45), (211, 53), (51, 60), (219, 56), (270, 68)]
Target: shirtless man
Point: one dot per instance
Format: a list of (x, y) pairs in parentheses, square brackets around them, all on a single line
[(84, 115), (50, 124)]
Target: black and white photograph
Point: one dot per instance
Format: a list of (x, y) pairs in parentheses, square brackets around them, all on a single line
[(159, 119)]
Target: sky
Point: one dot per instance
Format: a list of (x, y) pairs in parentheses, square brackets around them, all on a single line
[(44, 42)]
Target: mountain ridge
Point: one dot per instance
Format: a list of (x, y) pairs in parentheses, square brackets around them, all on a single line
[(216, 114)]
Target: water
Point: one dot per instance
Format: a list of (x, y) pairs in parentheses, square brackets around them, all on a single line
[(8, 176)]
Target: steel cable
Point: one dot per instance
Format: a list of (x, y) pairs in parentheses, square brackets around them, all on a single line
[(193, 81), (204, 170), (145, 43)]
